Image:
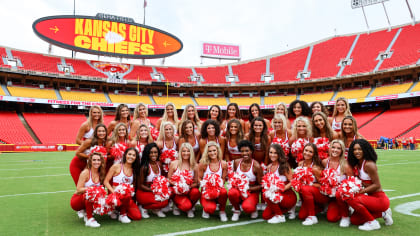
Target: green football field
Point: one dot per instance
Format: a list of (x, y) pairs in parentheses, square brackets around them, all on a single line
[(37, 187)]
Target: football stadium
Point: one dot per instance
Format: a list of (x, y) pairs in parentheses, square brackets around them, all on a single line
[(239, 117)]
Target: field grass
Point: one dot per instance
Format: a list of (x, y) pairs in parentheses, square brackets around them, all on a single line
[(33, 213)]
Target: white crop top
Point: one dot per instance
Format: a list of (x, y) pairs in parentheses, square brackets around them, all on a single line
[(122, 178), (219, 171), (249, 174), (90, 182), (152, 175)]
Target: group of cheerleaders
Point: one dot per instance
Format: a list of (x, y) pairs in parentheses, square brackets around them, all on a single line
[(297, 136)]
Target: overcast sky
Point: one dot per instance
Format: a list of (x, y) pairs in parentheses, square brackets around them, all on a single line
[(260, 27)]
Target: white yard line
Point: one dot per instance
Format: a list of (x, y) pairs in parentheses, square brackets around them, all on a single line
[(398, 163), (34, 168), (25, 194), (38, 176)]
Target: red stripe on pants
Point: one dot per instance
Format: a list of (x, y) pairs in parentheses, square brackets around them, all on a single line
[(311, 198), (187, 201), (368, 207), (209, 206), (249, 204), (147, 200), (76, 167), (272, 209)]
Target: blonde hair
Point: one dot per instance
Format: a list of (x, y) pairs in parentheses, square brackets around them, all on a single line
[(162, 130), (184, 116), (342, 159), (192, 156), (205, 157), (347, 112), (165, 114), (277, 108), (282, 118), (136, 111), (307, 123), (114, 137), (149, 135), (90, 119)]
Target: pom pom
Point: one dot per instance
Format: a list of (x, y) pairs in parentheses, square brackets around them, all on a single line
[(264, 168), (230, 167), (100, 149), (92, 194), (154, 132), (272, 187), (117, 151), (323, 146), (239, 182), (349, 188), (167, 157), (183, 180), (330, 179), (160, 188), (283, 143), (211, 186), (297, 149), (121, 192), (302, 176)]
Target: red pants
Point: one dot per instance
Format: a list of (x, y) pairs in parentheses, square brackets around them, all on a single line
[(187, 201), (78, 202), (147, 200), (129, 207), (249, 204), (311, 198), (76, 167), (368, 207), (209, 206), (273, 209), (336, 210)]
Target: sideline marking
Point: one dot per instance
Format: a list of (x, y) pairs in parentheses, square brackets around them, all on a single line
[(211, 228), (407, 208), (388, 190), (36, 168), (39, 176), (398, 163), (24, 194), (251, 221)]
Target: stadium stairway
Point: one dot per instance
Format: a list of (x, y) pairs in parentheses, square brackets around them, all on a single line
[(28, 128), (6, 91), (408, 130), (367, 122), (57, 93), (152, 99), (193, 99), (412, 86), (107, 97)]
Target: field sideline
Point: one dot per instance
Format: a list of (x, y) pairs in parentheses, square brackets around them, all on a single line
[(37, 187)]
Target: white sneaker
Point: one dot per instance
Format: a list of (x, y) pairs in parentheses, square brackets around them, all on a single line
[(168, 208), (236, 214), (387, 215), (205, 215), (190, 213), (223, 216), (144, 213), (254, 215), (277, 219), (310, 220), (217, 206), (370, 225), (176, 211), (261, 206), (159, 213), (81, 214), (292, 213), (351, 210), (113, 215), (345, 222), (299, 203), (92, 223), (124, 219)]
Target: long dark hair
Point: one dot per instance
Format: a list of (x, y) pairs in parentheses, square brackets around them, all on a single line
[(145, 158), (284, 166), (250, 113), (204, 133), (240, 134), (369, 153), (219, 117), (95, 137), (101, 169), (135, 165), (306, 111), (264, 136), (238, 114), (118, 112), (315, 157)]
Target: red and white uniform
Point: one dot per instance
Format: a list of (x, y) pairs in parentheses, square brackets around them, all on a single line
[(166, 148), (367, 207), (336, 126), (147, 199), (209, 206), (336, 207), (233, 152), (186, 202), (78, 201), (122, 178)]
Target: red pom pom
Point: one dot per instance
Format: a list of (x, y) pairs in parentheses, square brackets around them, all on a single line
[(211, 186), (121, 192), (323, 146), (330, 179), (117, 151), (154, 132), (160, 188), (272, 187), (302, 176), (230, 167), (183, 180), (239, 182), (100, 149), (297, 148), (349, 188), (167, 157), (264, 168), (283, 143)]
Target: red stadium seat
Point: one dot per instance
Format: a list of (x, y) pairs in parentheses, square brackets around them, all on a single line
[(12, 129)]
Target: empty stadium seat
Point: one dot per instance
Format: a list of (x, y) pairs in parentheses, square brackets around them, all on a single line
[(178, 101), (37, 62), (12, 129), (32, 92), (364, 117), (129, 99), (359, 94), (216, 75), (250, 72), (141, 73), (208, 101), (83, 96), (321, 97), (416, 88), (273, 100), (82, 68), (174, 74), (245, 101), (391, 89), (287, 66)]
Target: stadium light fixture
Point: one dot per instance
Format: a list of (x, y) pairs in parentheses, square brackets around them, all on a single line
[(267, 78), (93, 90), (41, 86), (68, 88), (116, 92), (215, 95), (9, 83)]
